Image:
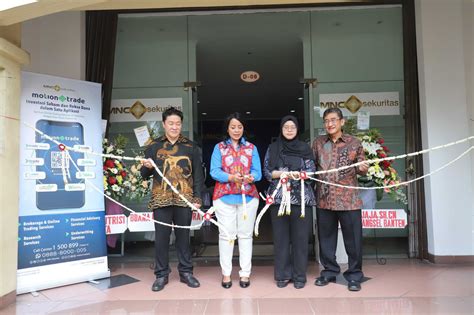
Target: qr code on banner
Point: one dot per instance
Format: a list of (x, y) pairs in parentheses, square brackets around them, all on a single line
[(57, 160)]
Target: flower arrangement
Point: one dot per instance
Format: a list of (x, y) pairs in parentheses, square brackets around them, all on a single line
[(120, 182), (137, 187), (379, 173), (113, 169)]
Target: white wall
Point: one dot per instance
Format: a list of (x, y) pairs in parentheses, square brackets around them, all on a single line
[(469, 59), (442, 42), (56, 44)]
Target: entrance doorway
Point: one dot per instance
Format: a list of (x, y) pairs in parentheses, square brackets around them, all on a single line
[(349, 50), (243, 45)]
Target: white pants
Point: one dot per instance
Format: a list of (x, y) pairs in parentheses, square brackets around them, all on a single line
[(232, 218)]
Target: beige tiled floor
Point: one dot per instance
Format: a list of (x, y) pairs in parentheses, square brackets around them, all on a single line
[(400, 287)]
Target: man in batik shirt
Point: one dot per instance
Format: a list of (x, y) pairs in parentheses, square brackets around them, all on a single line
[(339, 205), (179, 159)]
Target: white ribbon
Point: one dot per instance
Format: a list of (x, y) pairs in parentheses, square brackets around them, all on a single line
[(244, 200), (262, 212)]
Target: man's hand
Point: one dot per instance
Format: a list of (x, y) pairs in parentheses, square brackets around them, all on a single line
[(364, 167), (197, 205), (148, 163)]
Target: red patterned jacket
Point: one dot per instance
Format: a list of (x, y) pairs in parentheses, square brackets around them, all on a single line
[(233, 162)]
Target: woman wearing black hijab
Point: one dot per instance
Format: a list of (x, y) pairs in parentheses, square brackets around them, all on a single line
[(290, 231)]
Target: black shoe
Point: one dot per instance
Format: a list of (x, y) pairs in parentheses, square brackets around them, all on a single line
[(189, 279), (159, 284), (299, 284), (282, 283), (353, 285), (244, 284), (322, 281), (226, 285)]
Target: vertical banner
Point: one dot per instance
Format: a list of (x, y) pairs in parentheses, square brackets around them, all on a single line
[(61, 218)]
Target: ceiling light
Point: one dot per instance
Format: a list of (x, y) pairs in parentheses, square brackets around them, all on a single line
[(292, 110), (300, 98), (204, 113), (5, 5), (248, 113)]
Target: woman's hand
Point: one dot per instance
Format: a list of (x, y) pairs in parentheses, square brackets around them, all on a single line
[(276, 174), (294, 175), (236, 178), (248, 179)]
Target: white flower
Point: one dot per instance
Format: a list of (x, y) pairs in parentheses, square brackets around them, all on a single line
[(371, 170), (371, 147), (109, 149), (115, 188), (127, 183), (134, 180), (133, 188), (120, 151), (113, 170), (380, 174)]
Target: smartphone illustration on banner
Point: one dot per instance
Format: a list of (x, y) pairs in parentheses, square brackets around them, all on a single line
[(59, 189)]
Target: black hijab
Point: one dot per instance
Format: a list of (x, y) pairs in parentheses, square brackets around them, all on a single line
[(282, 148)]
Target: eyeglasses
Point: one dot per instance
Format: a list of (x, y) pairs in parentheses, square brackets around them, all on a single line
[(288, 128), (331, 121)]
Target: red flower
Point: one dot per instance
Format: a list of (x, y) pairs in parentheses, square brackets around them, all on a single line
[(385, 149), (109, 163), (123, 173), (382, 154), (381, 141), (385, 164), (112, 180), (105, 168)]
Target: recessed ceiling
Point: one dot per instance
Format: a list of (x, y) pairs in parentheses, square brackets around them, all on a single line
[(250, 42)]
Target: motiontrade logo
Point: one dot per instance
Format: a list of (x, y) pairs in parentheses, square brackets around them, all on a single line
[(61, 98), (45, 96)]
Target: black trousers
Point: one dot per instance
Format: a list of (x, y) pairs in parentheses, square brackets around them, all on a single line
[(290, 243), (351, 226), (178, 216)]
